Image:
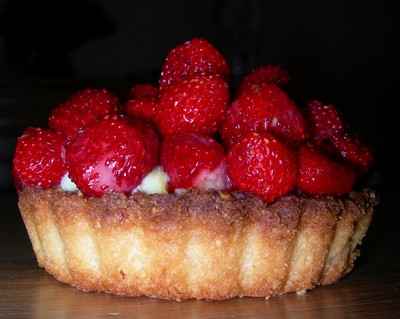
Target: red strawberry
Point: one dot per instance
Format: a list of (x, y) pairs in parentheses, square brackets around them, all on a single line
[(325, 122), (352, 150), (145, 108), (319, 175), (264, 74), (143, 91), (195, 57), (195, 105), (262, 165), (39, 158), (263, 109), (151, 139), (191, 160), (82, 109), (109, 156)]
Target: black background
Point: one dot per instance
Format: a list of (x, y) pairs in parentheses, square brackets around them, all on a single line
[(334, 50)]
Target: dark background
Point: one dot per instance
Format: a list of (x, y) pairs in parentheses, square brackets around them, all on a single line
[(334, 50)]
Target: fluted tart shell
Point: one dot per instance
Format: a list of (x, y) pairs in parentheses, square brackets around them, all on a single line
[(202, 245)]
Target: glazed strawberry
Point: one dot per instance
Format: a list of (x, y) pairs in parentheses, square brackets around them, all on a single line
[(264, 74), (38, 159), (143, 91), (145, 108), (265, 108), (319, 175), (195, 57), (195, 105), (82, 109), (352, 150), (262, 165), (151, 141), (109, 156), (325, 122), (191, 160)]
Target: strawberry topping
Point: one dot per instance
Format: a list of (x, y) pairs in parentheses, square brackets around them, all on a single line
[(39, 158), (191, 160), (325, 122), (146, 108), (102, 151), (195, 105), (264, 74), (355, 152), (319, 175), (264, 108), (83, 108), (262, 165), (151, 141), (143, 91), (195, 57), (109, 156)]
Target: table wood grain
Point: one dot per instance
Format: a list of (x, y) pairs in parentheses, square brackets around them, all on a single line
[(372, 290)]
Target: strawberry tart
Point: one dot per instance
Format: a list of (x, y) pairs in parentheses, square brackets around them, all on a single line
[(185, 192)]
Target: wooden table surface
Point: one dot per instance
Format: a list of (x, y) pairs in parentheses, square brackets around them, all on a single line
[(372, 290)]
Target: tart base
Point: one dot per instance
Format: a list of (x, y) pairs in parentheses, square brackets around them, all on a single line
[(201, 245)]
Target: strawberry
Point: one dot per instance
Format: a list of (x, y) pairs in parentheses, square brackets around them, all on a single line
[(325, 122), (151, 138), (194, 57), (265, 108), (319, 175), (191, 160), (145, 108), (143, 91), (82, 109), (195, 105), (39, 158), (355, 152), (264, 74), (111, 155), (262, 165)]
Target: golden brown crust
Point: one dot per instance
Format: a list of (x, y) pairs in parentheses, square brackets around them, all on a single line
[(203, 245)]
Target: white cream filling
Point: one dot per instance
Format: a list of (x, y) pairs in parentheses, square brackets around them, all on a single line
[(181, 191), (67, 185), (213, 180), (154, 183)]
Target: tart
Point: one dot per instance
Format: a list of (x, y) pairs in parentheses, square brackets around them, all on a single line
[(150, 203)]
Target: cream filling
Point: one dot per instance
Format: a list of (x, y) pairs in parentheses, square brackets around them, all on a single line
[(154, 183), (216, 179), (67, 185)]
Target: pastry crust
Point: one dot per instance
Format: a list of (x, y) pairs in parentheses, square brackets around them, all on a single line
[(202, 245)]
